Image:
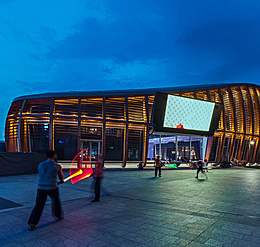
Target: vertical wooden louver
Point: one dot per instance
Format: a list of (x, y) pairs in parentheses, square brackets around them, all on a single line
[(255, 107), (228, 106), (248, 114), (239, 110)]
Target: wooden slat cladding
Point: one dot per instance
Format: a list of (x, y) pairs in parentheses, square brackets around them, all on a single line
[(89, 131), (189, 95), (66, 107), (256, 115), (248, 111), (115, 108), (13, 128), (114, 132), (228, 106), (150, 107), (239, 110), (35, 106), (215, 97), (256, 102), (127, 117), (15, 108), (65, 127), (91, 107), (11, 134), (36, 127), (136, 109), (135, 135), (202, 95)]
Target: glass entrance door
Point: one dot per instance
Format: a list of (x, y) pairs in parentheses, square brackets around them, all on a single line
[(92, 147)]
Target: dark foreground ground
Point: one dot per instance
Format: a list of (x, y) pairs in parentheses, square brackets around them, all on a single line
[(137, 209)]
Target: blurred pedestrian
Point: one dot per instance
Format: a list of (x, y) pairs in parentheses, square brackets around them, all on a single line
[(200, 168), (98, 175), (206, 165), (140, 166), (47, 186), (158, 165)]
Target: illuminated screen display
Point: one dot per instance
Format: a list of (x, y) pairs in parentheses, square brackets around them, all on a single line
[(184, 116), (188, 114)]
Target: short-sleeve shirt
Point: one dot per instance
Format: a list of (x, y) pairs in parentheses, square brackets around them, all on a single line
[(47, 175)]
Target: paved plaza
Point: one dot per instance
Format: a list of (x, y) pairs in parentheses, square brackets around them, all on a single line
[(137, 209)]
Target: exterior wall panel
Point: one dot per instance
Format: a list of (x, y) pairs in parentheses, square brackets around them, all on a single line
[(37, 123)]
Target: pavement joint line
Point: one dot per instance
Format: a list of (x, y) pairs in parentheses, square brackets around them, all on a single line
[(237, 214), (168, 204), (182, 211), (205, 230), (187, 211), (10, 209)]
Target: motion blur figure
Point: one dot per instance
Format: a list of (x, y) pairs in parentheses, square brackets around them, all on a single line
[(98, 175), (200, 168), (206, 165)]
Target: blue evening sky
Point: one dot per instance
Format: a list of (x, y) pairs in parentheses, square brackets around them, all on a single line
[(81, 45)]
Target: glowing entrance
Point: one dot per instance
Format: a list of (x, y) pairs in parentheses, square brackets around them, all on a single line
[(92, 147)]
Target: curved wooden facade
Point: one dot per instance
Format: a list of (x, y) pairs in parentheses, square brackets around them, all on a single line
[(119, 122)]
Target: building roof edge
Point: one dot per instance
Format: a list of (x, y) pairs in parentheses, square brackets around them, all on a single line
[(131, 91)]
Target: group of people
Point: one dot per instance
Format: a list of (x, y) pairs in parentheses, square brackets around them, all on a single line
[(200, 165), (49, 170)]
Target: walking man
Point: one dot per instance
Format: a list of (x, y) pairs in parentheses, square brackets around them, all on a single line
[(47, 186), (158, 165)]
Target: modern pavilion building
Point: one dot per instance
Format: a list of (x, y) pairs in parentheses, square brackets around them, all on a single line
[(116, 124)]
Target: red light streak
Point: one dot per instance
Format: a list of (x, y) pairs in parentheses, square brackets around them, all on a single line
[(85, 166)]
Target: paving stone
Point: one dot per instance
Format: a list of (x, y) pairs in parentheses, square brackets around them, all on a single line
[(218, 237), (12, 244), (185, 235), (182, 242), (140, 211), (69, 243), (244, 243), (169, 239), (214, 242), (98, 243), (227, 233), (252, 239), (196, 244), (237, 229)]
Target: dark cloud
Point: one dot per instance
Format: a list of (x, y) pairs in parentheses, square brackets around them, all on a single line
[(128, 31), (123, 41), (229, 49)]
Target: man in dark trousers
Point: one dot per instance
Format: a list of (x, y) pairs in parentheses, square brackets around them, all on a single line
[(47, 186)]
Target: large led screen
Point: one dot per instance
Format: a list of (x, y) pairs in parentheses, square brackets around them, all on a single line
[(185, 116), (186, 113)]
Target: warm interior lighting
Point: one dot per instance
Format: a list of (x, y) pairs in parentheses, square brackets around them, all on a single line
[(252, 142)]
